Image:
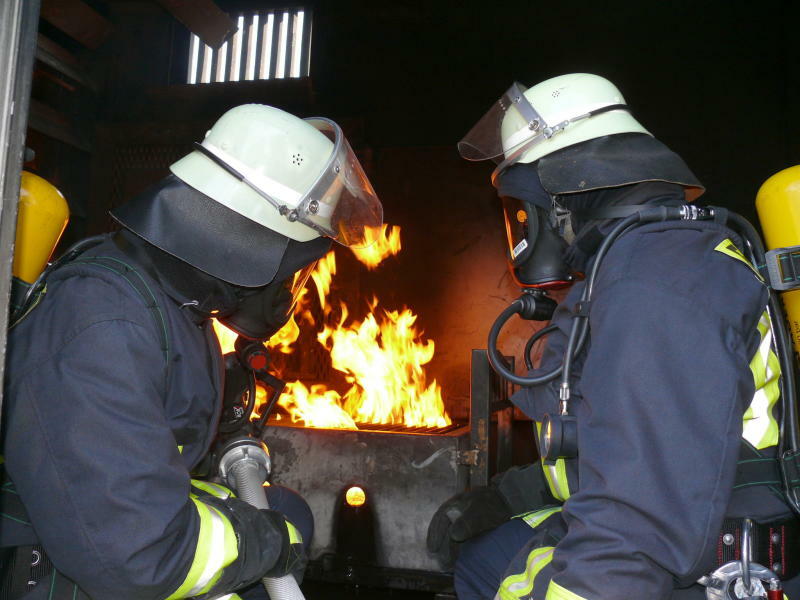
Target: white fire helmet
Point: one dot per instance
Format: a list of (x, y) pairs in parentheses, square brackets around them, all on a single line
[(527, 124), (298, 177)]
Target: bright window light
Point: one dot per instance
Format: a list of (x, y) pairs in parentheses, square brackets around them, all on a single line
[(267, 44)]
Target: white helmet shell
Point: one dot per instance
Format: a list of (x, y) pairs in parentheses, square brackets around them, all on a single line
[(278, 152), (565, 99), (525, 125)]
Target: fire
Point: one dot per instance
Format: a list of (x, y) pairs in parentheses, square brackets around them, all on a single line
[(381, 246), (282, 340), (384, 363), (382, 357)]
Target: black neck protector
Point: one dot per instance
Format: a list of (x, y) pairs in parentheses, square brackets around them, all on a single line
[(203, 295)]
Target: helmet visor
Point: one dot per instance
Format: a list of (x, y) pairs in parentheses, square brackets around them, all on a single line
[(485, 140), (341, 204)]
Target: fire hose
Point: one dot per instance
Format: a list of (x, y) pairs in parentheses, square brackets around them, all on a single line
[(245, 466)]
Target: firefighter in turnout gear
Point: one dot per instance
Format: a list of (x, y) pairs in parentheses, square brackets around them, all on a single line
[(114, 378), (658, 419)]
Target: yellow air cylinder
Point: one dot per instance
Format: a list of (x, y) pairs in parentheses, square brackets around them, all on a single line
[(778, 206), (42, 216)]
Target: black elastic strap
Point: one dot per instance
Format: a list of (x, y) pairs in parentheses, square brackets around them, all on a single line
[(618, 212), (753, 468)]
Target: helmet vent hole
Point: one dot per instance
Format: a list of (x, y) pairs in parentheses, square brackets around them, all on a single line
[(297, 159), (556, 94)]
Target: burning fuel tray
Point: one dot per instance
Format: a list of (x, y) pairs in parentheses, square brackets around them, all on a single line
[(405, 475)]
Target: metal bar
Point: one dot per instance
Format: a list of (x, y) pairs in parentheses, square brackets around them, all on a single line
[(265, 47), (201, 52), (212, 76), (244, 46), (287, 43), (19, 21), (305, 41), (276, 36), (253, 47), (258, 28), (505, 420), (480, 399)]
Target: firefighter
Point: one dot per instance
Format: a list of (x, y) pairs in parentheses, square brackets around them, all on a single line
[(668, 419), (114, 380)]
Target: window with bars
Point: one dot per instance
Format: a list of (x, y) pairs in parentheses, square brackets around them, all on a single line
[(269, 44)]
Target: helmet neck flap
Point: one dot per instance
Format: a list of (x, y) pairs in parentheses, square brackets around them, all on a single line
[(158, 235)]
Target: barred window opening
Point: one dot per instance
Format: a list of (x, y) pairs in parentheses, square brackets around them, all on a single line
[(268, 44)]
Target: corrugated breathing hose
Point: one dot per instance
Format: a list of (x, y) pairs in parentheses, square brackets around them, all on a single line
[(246, 471)]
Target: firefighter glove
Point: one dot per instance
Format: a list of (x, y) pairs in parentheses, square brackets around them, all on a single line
[(481, 509), (292, 558)]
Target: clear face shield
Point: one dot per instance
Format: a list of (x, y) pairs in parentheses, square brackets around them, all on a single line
[(512, 126), (485, 140), (340, 204)]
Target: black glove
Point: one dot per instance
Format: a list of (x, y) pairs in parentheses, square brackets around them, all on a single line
[(292, 558), (268, 545), (464, 516), (476, 511)]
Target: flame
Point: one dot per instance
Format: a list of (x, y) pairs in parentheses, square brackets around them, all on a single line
[(381, 246), (384, 363), (317, 407), (283, 340), (225, 336), (382, 358), (322, 276)]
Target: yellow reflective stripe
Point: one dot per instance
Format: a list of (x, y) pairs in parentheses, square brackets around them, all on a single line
[(180, 449), (759, 426), (537, 517), (516, 587), (215, 489), (726, 246), (556, 592), (216, 549), (294, 534), (556, 475)]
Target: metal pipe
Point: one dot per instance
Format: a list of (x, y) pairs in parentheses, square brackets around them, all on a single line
[(747, 553)]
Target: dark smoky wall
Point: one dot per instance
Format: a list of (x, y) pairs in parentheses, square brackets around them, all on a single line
[(716, 81)]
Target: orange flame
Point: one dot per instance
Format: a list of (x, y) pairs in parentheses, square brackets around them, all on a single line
[(382, 359), (381, 247), (384, 363), (323, 276), (283, 340)]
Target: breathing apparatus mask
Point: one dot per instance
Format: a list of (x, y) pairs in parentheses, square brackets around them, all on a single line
[(537, 230)]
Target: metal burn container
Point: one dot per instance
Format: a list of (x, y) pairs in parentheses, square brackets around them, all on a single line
[(406, 474)]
